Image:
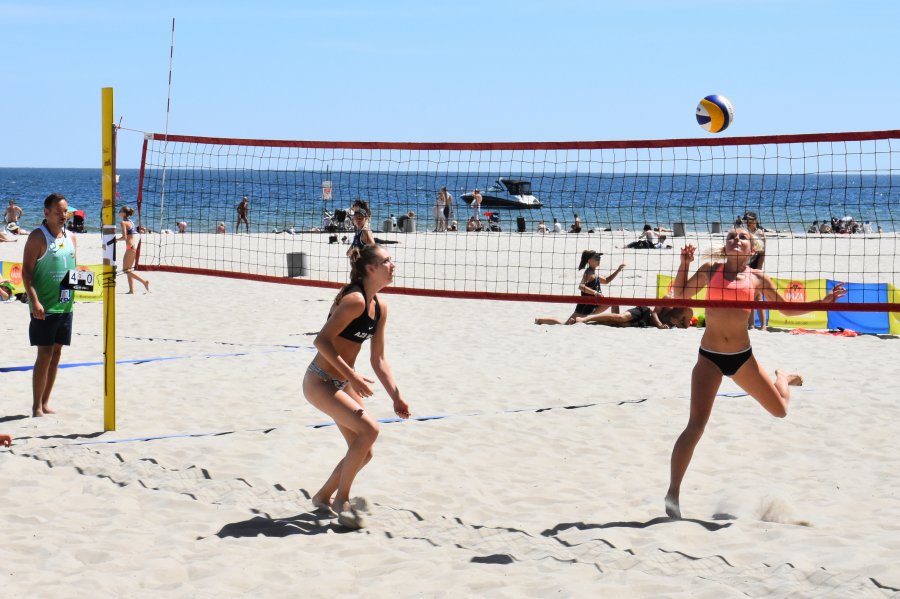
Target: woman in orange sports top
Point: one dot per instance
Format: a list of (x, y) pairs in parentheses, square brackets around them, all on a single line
[(725, 346)]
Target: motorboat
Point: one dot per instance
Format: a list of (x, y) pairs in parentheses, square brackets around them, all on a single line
[(506, 193)]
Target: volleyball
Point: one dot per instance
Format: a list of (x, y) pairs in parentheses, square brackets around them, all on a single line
[(715, 113)]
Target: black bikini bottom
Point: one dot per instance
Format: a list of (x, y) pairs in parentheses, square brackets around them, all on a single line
[(727, 363)]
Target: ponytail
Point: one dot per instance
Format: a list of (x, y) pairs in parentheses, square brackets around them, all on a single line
[(585, 256), (360, 258)]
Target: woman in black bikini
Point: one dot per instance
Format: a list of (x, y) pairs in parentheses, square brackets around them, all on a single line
[(589, 287), (333, 386), (725, 345)]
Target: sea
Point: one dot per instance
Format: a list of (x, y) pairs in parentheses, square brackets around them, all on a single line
[(293, 200)]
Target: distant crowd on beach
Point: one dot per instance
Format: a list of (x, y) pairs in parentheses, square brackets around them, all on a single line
[(843, 226), (444, 216)]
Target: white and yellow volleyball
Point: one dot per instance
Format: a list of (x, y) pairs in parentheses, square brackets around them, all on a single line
[(715, 113)]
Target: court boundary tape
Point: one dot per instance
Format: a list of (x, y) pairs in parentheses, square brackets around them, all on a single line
[(162, 359), (392, 420), (269, 429)]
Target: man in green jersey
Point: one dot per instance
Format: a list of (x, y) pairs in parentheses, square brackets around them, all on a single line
[(49, 257)]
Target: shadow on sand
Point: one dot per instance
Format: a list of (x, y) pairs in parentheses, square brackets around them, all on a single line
[(306, 523)]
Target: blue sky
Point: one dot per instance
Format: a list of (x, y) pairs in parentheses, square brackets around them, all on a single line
[(519, 70)]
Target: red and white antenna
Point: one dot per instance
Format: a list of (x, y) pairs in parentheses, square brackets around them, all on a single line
[(162, 197)]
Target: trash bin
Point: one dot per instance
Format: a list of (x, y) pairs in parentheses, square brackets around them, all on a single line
[(678, 230), (297, 264), (387, 226), (715, 227), (520, 224), (409, 225)]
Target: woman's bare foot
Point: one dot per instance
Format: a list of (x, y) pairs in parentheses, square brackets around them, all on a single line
[(339, 506), (793, 379), (352, 519), (147, 286), (323, 505), (673, 509)]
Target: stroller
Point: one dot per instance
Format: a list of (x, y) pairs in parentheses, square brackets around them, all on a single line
[(493, 221), (336, 222), (76, 225)]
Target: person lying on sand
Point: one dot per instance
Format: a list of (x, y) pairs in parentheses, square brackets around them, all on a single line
[(643, 316)]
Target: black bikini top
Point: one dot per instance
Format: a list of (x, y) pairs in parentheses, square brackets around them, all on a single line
[(363, 327), (595, 284), (357, 240)]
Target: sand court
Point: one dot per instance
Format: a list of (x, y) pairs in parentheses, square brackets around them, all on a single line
[(542, 473)]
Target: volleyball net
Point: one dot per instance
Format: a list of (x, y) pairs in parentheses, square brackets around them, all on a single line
[(829, 205)]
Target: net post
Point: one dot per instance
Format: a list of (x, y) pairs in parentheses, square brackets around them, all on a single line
[(108, 137)]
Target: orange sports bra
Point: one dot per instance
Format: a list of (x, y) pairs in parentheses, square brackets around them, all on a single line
[(741, 289)]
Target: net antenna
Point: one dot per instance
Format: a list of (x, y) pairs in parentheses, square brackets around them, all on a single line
[(162, 199)]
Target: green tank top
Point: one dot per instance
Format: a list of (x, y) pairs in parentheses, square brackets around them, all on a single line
[(49, 271)]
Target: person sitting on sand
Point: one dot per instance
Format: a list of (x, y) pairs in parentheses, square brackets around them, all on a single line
[(332, 384), (649, 239), (576, 226), (8, 292), (643, 316), (725, 346), (5, 440), (589, 287)]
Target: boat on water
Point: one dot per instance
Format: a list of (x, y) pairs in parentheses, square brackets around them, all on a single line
[(506, 193)]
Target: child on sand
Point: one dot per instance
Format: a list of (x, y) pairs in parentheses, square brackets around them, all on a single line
[(589, 287)]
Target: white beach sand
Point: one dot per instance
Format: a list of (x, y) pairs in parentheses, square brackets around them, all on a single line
[(543, 476)]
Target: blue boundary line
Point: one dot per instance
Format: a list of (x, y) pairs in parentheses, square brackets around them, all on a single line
[(267, 430), (144, 360), (381, 420)]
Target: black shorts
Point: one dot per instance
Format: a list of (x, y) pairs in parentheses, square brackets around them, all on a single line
[(585, 309), (640, 316), (55, 328)]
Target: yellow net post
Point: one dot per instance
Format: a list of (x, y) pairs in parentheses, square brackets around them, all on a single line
[(109, 260)]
